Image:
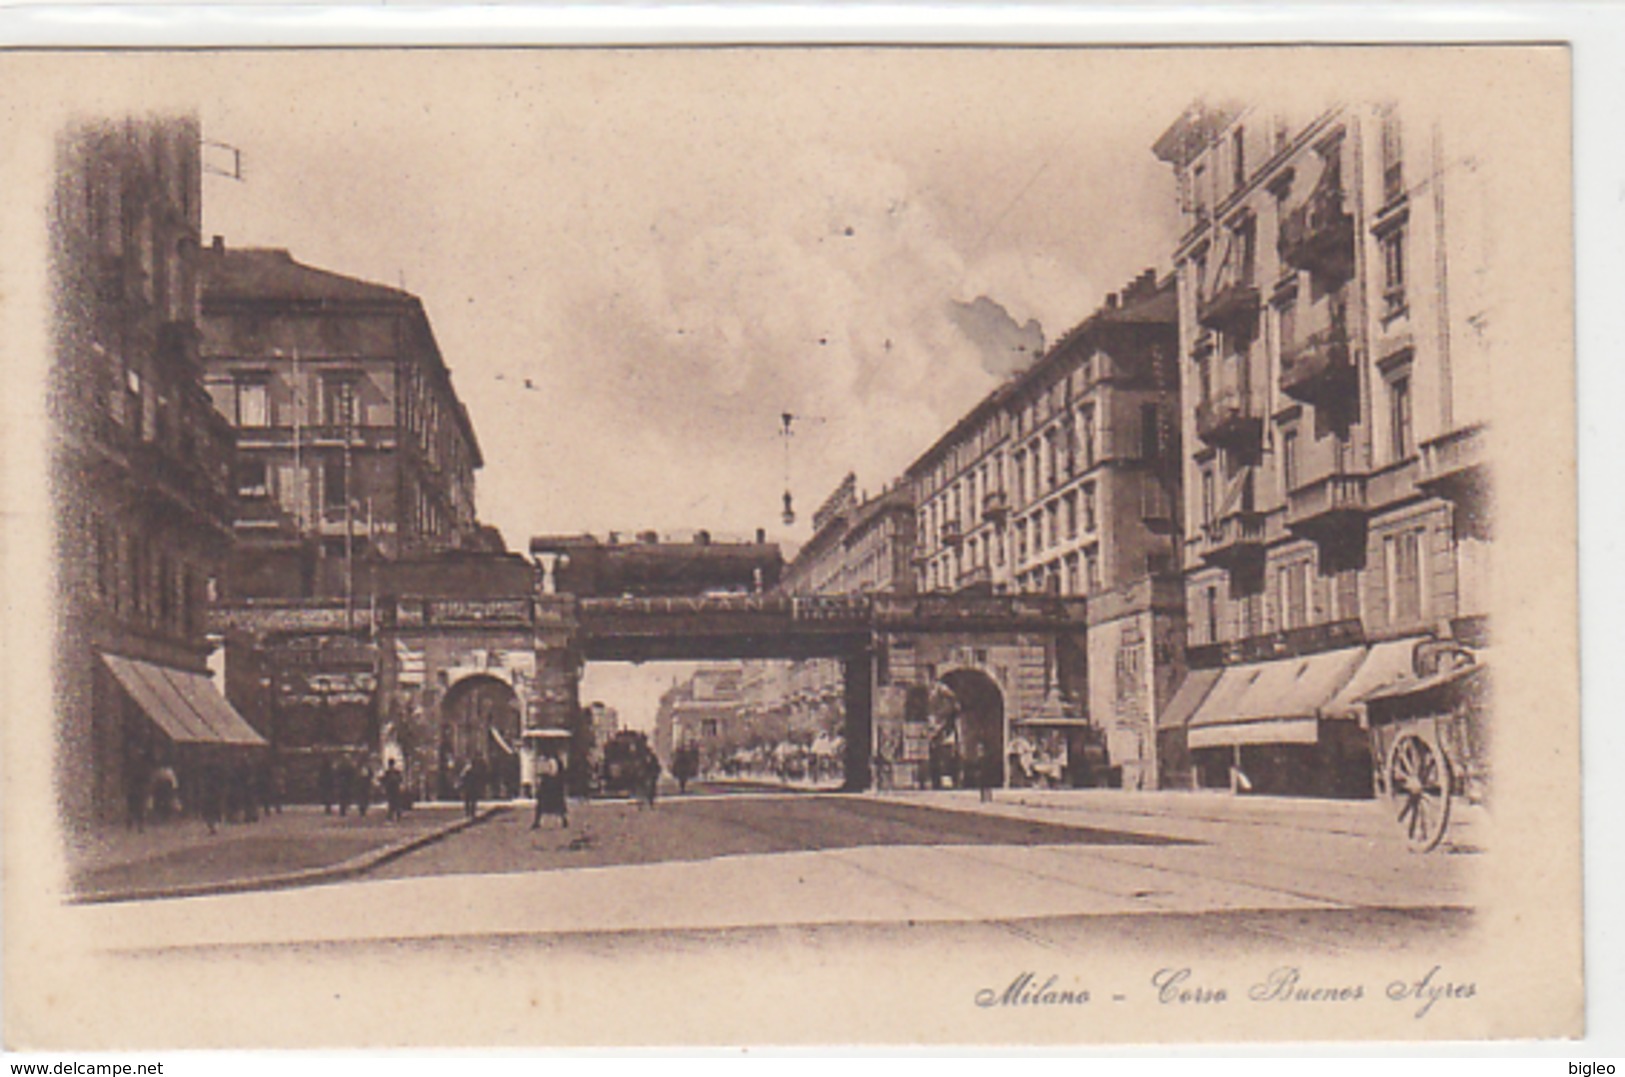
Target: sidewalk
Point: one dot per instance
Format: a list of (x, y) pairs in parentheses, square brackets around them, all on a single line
[(299, 846), (1191, 814)]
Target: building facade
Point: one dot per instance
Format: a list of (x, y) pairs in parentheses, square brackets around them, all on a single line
[(353, 444), (141, 469), (1335, 328)]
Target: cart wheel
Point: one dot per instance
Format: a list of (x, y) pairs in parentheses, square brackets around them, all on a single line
[(1419, 791)]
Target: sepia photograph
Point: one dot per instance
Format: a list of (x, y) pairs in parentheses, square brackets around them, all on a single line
[(595, 547)]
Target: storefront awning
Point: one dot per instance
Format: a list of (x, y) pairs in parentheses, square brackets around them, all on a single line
[(186, 706), (1196, 686), (1276, 702), (1386, 665)]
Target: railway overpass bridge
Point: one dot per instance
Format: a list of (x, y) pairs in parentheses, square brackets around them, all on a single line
[(428, 677)]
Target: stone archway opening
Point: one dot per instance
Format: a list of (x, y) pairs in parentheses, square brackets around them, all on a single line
[(970, 746), (480, 720)]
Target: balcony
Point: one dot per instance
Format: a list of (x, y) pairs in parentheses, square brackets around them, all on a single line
[(950, 534), (1157, 507), (995, 506), (1230, 303), (1455, 467), (1318, 236), (976, 580), (1232, 540), (1229, 420), (1330, 506), (1317, 370)]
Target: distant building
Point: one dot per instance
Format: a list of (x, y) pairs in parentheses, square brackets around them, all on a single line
[(353, 443), (141, 465), (705, 710), (1336, 330)]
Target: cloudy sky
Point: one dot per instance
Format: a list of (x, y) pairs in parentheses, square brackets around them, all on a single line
[(636, 261)]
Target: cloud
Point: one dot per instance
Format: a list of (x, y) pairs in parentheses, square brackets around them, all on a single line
[(1006, 345)]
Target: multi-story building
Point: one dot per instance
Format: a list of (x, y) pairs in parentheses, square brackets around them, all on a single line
[(1334, 322), (1062, 479), (1093, 449), (704, 710), (141, 468), (353, 444), (962, 503)]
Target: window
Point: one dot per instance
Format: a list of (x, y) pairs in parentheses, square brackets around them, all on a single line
[(1204, 382), (1071, 503), (1150, 432), (1021, 540), (1212, 614), (1090, 519), (1020, 460), (1238, 157), (1400, 441), (335, 482), (1054, 514), (1209, 506), (1393, 159), (1293, 595), (1091, 569), (253, 404), (1393, 272), (1199, 191), (1289, 459), (1403, 570), (338, 401), (1086, 418), (1286, 323), (253, 479)]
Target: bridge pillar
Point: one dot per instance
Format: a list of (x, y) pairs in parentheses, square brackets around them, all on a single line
[(859, 676)]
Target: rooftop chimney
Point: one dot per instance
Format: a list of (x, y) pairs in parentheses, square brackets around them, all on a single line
[(1111, 301), (219, 244)]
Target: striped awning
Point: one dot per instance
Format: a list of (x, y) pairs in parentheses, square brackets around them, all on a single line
[(186, 706), (1275, 702)]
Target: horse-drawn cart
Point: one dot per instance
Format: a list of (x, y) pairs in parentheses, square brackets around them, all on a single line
[(1430, 740)]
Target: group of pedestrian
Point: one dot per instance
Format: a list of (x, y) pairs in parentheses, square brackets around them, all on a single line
[(344, 785), (237, 790)]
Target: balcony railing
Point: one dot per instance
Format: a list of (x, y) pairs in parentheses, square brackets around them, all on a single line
[(995, 505), (1234, 537), (1331, 505), (1454, 466), (950, 534), (1319, 236), (978, 578), (1317, 369), (1228, 418), (1232, 302)]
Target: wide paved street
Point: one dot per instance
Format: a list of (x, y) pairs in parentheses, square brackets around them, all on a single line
[(749, 860)]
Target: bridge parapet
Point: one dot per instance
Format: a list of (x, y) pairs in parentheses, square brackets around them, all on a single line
[(925, 612)]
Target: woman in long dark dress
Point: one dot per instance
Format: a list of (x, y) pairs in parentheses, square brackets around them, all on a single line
[(550, 798)]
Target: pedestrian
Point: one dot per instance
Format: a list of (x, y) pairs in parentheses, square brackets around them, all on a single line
[(363, 789), (344, 778), (471, 781), (210, 793), (248, 794), (164, 785), (649, 775), (550, 798), (984, 764), (392, 782), (136, 782), (265, 784), (326, 785)]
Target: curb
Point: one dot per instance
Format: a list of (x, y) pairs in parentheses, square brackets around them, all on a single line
[(344, 869)]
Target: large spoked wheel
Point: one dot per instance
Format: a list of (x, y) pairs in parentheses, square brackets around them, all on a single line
[(1419, 791)]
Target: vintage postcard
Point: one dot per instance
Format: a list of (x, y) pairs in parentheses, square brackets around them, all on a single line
[(712, 546)]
